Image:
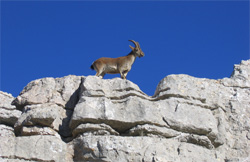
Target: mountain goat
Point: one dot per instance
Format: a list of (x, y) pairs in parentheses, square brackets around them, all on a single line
[(120, 65)]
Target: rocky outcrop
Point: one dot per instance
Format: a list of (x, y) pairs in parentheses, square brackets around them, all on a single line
[(8, 113), (77, 118)]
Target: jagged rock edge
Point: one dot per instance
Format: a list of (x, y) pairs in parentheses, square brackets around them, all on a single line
[(142, 96), (123, 97)]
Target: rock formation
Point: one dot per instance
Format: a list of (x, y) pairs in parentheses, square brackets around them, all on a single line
[(77, 118)]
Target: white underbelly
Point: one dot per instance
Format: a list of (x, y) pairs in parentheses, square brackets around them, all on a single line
[(111, 69)]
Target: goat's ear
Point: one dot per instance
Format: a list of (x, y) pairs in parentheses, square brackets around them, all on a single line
[(132, 48)]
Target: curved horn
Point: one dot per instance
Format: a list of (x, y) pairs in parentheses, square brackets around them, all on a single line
[(136, 43)]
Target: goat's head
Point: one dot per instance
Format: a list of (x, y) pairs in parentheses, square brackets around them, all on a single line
[(137, 49)]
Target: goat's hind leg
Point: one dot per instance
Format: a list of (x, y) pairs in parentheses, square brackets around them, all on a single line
[(102, 74)]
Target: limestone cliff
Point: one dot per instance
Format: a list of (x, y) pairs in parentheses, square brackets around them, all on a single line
[(77, 118)]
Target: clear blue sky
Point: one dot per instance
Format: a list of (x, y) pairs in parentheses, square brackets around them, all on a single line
[(54, 39)]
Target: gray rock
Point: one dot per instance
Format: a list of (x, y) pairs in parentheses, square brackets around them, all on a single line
[(197, 91), (9, 117), (44, 115), (191, 119), (60, 91), (114, 89), (137, 149), (5, 101), (196, 139), (147, 130), (8, 113), (113, 102), (15, 160), (98, 129), (122, 149), (131, 108), (194, 153), (119, 115), (6, 131), (240, 76), (31, 131), (36, 148), (188, 119)]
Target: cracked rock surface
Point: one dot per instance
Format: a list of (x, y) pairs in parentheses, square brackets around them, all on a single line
[(78, 118)]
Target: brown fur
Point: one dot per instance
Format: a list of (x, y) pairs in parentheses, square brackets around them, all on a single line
[(120, 65)]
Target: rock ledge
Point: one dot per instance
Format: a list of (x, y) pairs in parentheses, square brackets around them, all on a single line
[(78, 118)]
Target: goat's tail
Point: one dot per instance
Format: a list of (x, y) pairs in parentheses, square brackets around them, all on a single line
[(92, 67)]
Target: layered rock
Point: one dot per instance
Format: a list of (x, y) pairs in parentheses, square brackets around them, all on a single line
[(8, 113), (60, 91), (48, 103), (91, 119), (36, 148)]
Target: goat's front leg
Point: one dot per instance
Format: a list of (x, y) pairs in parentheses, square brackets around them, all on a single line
[(100, 74), (123, 74)]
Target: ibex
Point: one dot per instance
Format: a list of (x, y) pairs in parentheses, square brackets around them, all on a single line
[(120, 65)]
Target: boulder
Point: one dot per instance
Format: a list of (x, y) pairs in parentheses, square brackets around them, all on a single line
[(35, 148), (197, 91), (45, 115), (60, 91), (8, 113), (240, 76)]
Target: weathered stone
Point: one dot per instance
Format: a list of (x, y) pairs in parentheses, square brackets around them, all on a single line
[(120, 116), (147, 130), (15, 160), (6, 131), (8, 113), (131, 111), (9, 117), (31, 131), (61, 91), (188, 119), (248, 135), (240, 76), (137, 149), (98, 129), (44, 115), (196, 139), (115, 89), (219, 138), (194, 153), (197, 91), (37, 148), (5, 101), (191, 119), (114, 148)]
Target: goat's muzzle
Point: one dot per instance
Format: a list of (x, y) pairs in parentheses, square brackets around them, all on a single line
[(141, 55)]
